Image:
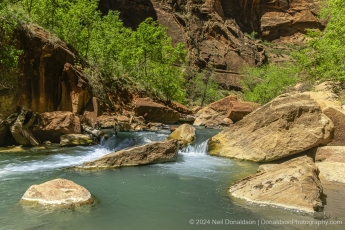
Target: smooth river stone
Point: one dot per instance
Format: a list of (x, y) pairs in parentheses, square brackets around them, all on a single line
[(58, 193)]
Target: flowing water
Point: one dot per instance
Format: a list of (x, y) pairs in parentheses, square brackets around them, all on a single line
[(190, 193)]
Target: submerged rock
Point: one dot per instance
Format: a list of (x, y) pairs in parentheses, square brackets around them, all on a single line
[(293, 185), (58, 193), (75, 140), (153, 153), (185, 134), (289, 124)]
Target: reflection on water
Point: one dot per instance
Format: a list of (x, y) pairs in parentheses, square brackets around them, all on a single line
[(190, 193)]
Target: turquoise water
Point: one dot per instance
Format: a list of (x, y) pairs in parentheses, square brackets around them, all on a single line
[(188, 194)]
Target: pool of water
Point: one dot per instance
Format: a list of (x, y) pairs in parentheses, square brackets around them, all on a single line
[(190, 193)]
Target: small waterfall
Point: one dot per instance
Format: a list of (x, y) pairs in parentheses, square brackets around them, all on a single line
[(197, 148)]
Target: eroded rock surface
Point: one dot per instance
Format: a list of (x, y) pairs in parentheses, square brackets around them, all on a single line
[(153, 153), (294, 185), (289, 124)]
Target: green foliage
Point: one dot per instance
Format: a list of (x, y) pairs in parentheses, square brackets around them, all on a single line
[(265, 83), (203, 89), (145, 56), (8, 53), (324, 58), (252, 35)]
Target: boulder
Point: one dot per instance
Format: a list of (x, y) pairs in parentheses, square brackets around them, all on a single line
[(331, 162), (265, 167), (224, 112), (338, 118), (58, 193), (106, 121), (152, 153), (75, 140), (51, 125), (293, 185), (330, 154), (289, 124), (180, 108), (186, 118), (154, 126), (91, 113), (238, 109), (222, 106), (122, 126), (185, 134), (154, 112), (20, 127), (210, 118), (196, 109), (332, 171)]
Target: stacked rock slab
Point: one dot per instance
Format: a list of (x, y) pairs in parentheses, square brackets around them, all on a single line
[(153, 153), (293, 185), (289, 124)]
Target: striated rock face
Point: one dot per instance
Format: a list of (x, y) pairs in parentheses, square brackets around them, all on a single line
[(289, 124), (154, 112), (58, 193), (287, 20), (185, 134), (153, 153), (49, 81), (51, 125), (294, 184)]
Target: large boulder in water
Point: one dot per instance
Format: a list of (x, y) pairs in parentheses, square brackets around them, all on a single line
[(289, 124), (154, 112), (185, 134), (58, 193), (51, 125), (293, 185), (153, 153)]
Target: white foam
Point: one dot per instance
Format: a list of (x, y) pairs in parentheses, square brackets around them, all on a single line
[(53, 162)]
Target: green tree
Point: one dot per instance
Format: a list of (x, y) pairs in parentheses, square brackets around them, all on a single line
[(8, 52), (324, 58), (265, 83)]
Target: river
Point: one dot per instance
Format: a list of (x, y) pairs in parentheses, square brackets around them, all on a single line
[(190, 193)]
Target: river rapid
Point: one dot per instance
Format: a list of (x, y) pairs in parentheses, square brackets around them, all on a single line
[(190, 193)]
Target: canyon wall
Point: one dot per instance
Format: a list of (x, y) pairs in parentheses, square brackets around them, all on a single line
[(216, 32)]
